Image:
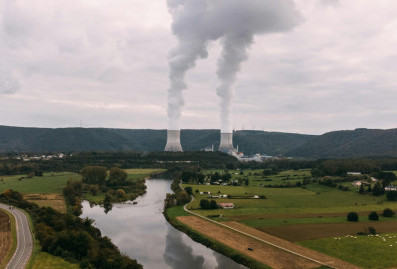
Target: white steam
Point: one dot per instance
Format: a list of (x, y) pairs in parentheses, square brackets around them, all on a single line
[(235, 22)]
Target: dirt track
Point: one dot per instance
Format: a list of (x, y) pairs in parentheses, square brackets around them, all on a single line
[(265, 253)]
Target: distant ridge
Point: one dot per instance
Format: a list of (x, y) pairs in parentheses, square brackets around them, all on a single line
[(337, 144), (345, 144), (24, 139)]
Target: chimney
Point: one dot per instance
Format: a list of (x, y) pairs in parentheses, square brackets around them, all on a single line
[(226, 144), (173, 141)]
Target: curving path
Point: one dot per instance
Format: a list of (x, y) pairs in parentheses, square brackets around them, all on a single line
[(24, 239), (279, 243)]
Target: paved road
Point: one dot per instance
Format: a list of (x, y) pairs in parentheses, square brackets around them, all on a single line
[(24, 239)]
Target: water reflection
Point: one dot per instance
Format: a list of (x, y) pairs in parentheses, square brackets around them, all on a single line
[(141, 232)]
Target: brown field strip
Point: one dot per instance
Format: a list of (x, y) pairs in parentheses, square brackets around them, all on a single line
[(330, 261), (5, 235), (262, 252), (301, 232), (53, 200)]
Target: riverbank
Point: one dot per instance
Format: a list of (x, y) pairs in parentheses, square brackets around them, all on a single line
[(173, 213)]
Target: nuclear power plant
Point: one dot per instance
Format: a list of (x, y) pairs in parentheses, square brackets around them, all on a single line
[(226, 144), (173, 141)]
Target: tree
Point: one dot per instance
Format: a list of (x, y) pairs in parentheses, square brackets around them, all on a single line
[(373, 216), (371, 230), (369, 188), (213, 204), (361, 190), (182, 198), (189, 190), (388, 213), (352, 216), (204, 204), (392, 195), (121, 193), (117, 177), (94, 175), (94, 189), (377, 190)]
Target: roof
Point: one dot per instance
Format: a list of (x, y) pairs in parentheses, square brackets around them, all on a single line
[(226, 204)]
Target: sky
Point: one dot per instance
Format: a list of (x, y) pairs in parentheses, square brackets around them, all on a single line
[(102, 63)]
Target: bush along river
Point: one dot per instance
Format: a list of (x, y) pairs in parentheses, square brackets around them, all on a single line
[(141, 232)]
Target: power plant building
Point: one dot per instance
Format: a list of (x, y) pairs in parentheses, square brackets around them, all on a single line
[(173, 141)]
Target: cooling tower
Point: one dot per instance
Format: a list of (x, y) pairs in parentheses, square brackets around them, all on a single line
[(226, 144), (173, 141)]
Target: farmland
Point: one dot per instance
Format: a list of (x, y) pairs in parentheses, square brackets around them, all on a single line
[(291, 206), (374, 251), (48, 183), (5, 237)]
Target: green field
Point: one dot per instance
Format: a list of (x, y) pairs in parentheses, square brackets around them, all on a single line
[(314, 198), (48, 183), (256, 178), (365, 251), (288, 221)]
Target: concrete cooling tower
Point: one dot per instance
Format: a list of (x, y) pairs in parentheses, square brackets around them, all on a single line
[(173, 141), (226, 144)]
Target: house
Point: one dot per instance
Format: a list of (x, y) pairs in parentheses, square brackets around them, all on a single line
[(373, 179), (357, 183), (226, 205), (391, 188), (354, 173)]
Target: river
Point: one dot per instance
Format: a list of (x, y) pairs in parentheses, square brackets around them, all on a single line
[(141, 232)]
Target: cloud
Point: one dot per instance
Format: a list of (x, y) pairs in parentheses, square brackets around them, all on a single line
[(105, 62), (8, 83)]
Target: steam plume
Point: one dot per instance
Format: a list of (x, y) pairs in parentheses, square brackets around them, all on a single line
[(235, 22)]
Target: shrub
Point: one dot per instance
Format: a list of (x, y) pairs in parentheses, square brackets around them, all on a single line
[(371, 230), (392, 195), (388, 213), (373, 216), (352, 216)]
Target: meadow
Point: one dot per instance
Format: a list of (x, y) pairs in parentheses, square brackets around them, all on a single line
[(312, 198), (48, 183), (312, 211), (373, 251)]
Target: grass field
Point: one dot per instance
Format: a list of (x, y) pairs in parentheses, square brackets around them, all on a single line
[(373, 251), (314, 198), (48, 183), (257, 179), (44, 260)]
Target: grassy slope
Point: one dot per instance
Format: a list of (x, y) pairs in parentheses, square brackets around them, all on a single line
[(372, 252), (48, 183)]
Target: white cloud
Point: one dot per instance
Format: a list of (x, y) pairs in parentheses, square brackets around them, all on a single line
[(105, 62)]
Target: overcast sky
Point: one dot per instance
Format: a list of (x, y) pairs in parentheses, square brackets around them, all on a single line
[(105, 63)]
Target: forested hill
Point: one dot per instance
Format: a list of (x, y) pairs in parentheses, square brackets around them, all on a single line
[(20, 139), (356, 143)]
